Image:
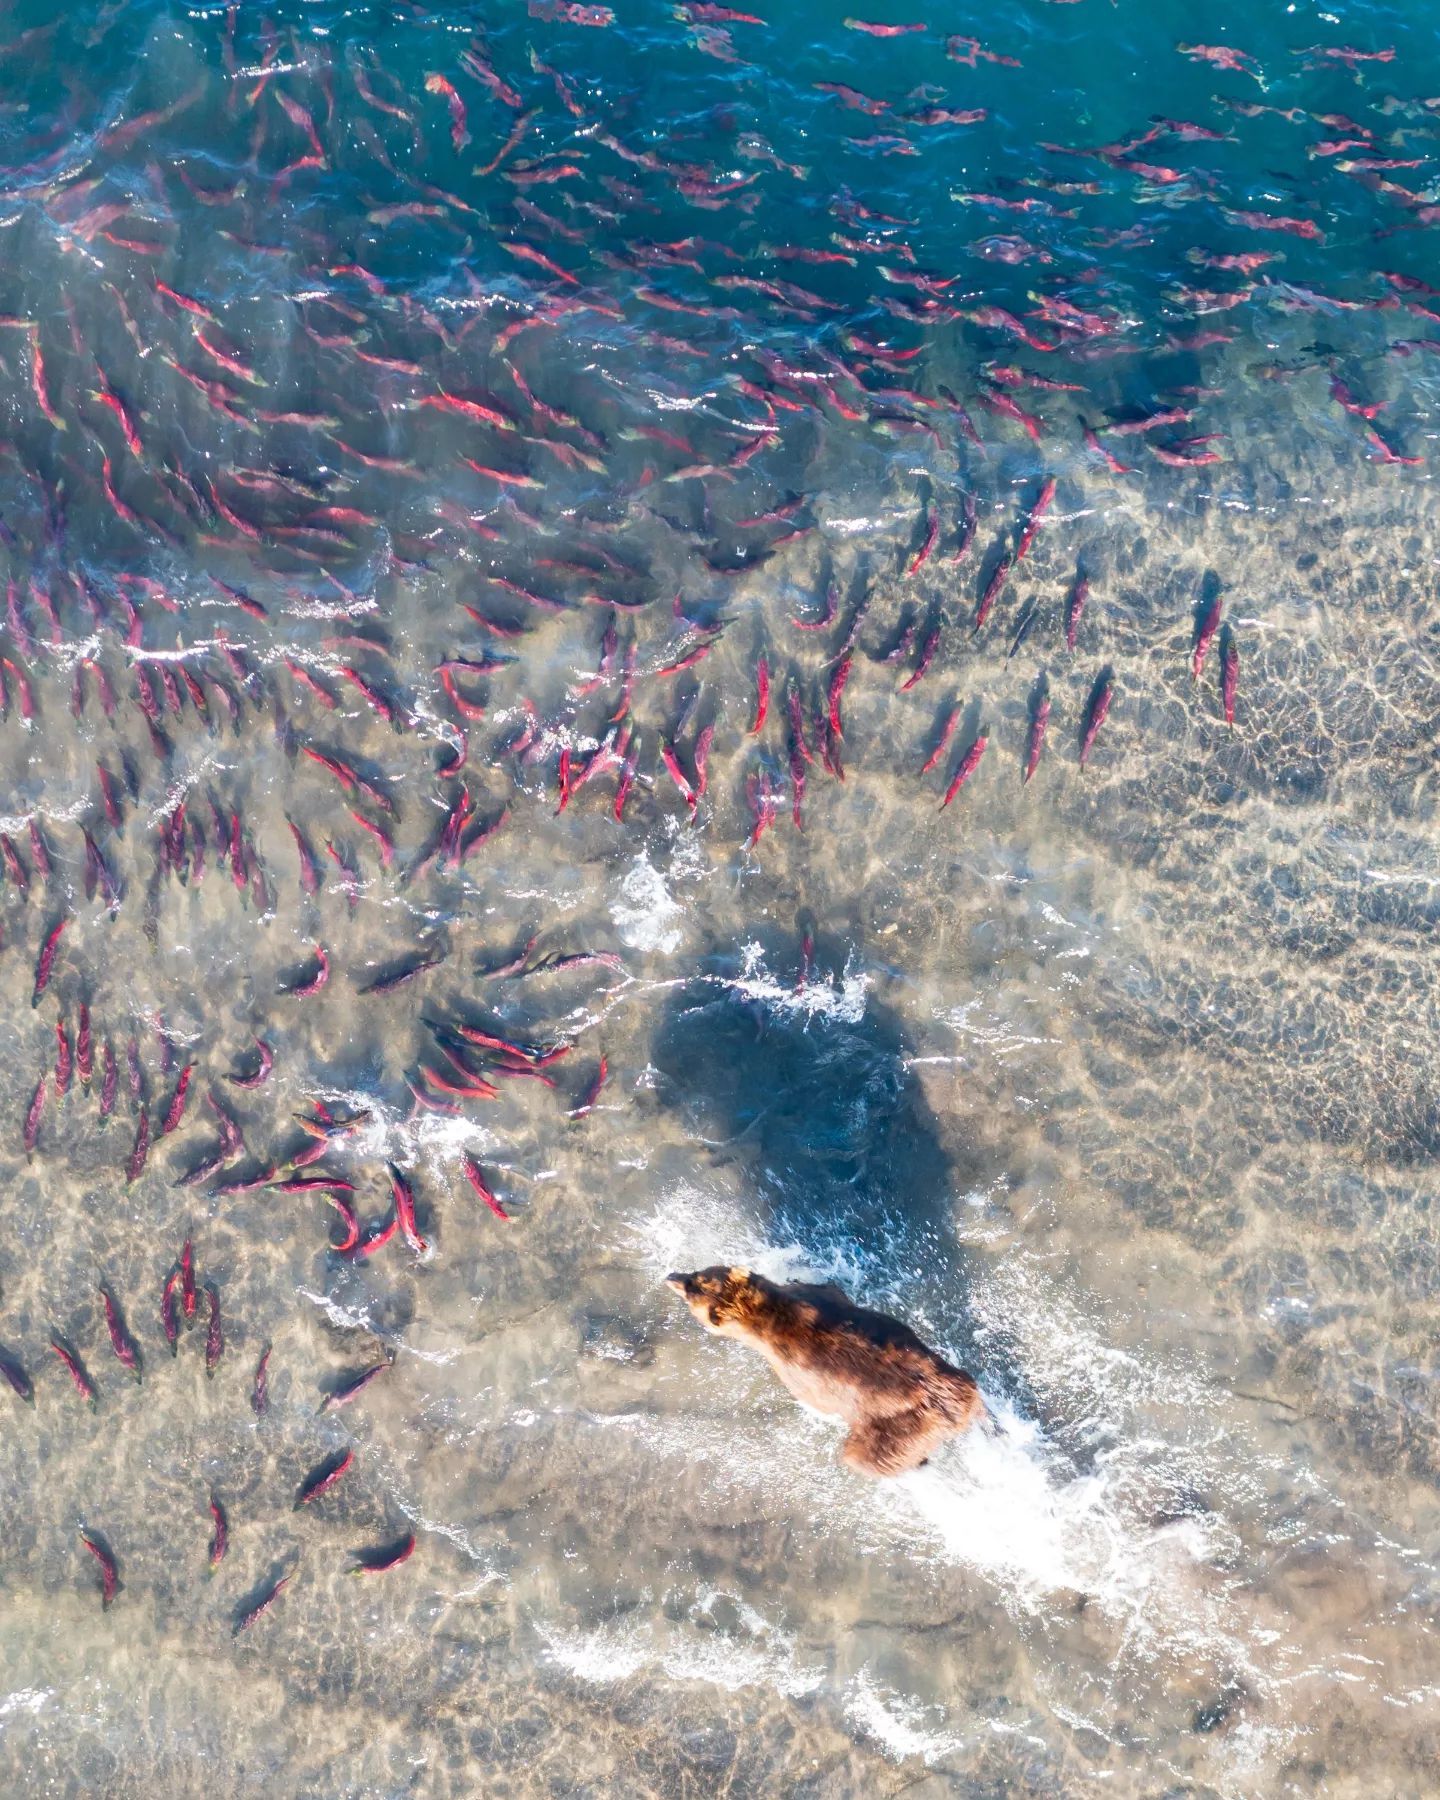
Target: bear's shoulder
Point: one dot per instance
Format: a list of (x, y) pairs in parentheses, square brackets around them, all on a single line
[(817, 1291), (831, 1310)]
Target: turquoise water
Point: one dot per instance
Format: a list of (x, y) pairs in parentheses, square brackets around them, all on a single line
[(703, 639)]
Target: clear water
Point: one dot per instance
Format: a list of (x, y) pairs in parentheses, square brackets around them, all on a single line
[(1117, 1082)]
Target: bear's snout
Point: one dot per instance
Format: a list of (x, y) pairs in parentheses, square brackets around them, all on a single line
[(680, 1283)]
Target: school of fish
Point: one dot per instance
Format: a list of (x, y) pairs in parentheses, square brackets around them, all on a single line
[(368, 436)]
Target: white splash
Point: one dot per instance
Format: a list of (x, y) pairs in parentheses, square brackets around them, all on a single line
[(1005, 1504), (24, 1700), (754, 1653), (343, 1318), (1012, 1502), (897, 1722), (693, 1228), (433, 1140), (840, 997), (646, 914)]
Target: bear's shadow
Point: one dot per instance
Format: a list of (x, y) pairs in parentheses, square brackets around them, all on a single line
[(841, 1155)]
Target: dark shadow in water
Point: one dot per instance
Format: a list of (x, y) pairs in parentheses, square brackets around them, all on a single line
[(837, 1149), (17, 1375), (263, 1595), (1210, 591), (840, 1153)]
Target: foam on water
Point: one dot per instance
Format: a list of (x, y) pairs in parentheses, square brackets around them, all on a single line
[(900, 1724), (695, 1228), (646, 914), (1045, 1526), (1010, 1507), (835, 996), (428, 1140), (23, 1700), (749, 1651)]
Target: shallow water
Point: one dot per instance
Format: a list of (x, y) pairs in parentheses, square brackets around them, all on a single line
[(1115, 1081)]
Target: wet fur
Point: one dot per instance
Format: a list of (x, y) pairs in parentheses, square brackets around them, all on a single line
[(898, 1397)]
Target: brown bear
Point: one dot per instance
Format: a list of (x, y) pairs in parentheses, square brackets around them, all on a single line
[(898, 1397)]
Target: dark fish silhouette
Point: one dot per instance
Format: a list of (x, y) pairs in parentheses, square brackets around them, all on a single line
[(75, 1369), (14, 1372), (110, 1582), (248, 1613), (1096, 711), (220, 1536), (323, 1477), (121, 1341), (387, 1556)]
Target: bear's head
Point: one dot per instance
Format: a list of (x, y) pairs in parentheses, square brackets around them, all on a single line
[(722, 1299)]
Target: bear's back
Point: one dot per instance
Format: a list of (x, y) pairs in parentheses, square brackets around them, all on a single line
[(834, 1310), (846, 1359)]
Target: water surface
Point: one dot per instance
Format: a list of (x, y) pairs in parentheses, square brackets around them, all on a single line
[(420, 430)]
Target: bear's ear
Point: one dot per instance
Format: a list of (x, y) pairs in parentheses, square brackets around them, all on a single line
[(737, 1277)]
